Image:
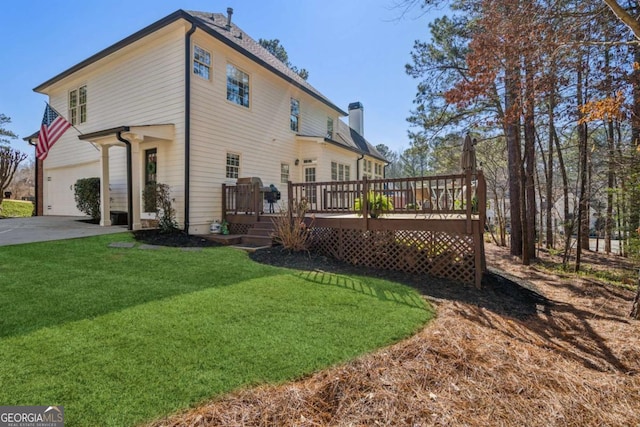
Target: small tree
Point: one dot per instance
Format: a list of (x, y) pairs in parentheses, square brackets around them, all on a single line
[(9, 157), (157, 198), (290, 229), (87, 195)]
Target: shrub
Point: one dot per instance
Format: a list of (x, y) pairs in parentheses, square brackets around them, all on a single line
[(377, 204), (159, 198), (87, 196), (290, 229)]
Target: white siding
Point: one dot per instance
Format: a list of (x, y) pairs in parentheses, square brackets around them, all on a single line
[(141, 84), (260, 134)]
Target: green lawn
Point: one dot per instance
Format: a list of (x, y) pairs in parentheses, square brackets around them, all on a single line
[(15, 209), (122, 336)]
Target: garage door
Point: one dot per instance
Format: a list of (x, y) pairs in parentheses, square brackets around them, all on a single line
[(59, 194)]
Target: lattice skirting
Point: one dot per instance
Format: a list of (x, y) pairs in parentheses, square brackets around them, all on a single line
[(239, 228), (439, 254)]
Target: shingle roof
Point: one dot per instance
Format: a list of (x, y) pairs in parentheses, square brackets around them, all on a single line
[(351, 138), (215, 25)]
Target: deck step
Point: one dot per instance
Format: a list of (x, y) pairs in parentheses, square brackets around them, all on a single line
[(254, 240), (223, 239)]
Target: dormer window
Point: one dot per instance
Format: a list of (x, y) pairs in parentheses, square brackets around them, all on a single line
[(329, 128)]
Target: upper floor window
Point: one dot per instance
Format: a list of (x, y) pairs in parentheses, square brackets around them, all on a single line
[(78, 105), (233, 165), (201, 62), (284, 172), (295, 114), (329, 128), (340, 172), (237, 86)]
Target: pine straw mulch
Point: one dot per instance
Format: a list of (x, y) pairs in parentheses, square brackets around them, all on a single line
[(559, 351)]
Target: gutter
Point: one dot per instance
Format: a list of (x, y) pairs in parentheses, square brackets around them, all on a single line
[(129, 179), (187, 124)]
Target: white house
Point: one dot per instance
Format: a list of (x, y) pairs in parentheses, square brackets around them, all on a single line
[(193, 102)]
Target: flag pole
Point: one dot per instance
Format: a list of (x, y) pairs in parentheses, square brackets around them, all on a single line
[(72, 125)]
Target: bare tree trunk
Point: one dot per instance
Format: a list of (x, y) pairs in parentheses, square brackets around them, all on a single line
[(529, 223), (567, 225), (582, 143), (549, 206), (512, 132), (608, 218), (635, 307)]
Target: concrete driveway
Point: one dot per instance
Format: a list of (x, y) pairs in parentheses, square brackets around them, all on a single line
[(14, 231)]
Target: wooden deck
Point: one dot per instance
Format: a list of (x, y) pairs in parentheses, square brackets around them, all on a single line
[(433, 225)]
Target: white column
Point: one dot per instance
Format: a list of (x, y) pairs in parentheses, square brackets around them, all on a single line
[(136, 178), (105, 196)]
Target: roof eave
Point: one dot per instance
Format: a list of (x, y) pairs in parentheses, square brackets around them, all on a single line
[(179, 14)]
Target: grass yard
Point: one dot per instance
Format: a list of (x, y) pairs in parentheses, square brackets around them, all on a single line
[(15, 209), (120, 336)]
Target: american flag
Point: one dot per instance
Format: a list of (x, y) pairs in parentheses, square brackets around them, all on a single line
[(53, 126)]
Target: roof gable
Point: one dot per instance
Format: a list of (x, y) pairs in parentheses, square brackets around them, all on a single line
[(213, 24)]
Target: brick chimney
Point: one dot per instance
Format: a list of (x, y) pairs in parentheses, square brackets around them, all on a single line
[(356, 117)]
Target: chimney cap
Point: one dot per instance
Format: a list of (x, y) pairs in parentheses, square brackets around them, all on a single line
[(355, 105)]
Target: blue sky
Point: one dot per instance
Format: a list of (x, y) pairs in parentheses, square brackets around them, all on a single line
[(355, 50)]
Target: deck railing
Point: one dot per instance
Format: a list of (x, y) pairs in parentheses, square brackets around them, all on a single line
[(463, 194)]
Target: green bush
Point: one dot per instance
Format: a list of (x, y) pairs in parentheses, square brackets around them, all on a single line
[(15, 209), (377, 204), (87, 195), (157, 198)]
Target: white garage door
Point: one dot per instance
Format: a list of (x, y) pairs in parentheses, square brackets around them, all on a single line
[(58, 186)]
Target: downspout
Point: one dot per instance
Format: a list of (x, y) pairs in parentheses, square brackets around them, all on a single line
[(358, 177), (187, 124), (129, 179)]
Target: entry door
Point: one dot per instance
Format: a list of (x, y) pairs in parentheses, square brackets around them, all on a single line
[(310, 190)]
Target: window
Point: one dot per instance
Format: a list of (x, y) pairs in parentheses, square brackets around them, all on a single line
[(295, 114), (329, 128), (201, 62), (78, 105), (237, 86), (379, 168), (150, 166), (233, 165), (340, 172), (284, 172)]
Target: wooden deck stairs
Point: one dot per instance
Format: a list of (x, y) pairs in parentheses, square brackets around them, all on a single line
[(259, 235)]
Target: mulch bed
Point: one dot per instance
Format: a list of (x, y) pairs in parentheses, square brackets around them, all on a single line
[(530, 348), (173, 239)]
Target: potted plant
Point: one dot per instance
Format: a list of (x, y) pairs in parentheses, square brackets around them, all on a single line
[(377, 204)]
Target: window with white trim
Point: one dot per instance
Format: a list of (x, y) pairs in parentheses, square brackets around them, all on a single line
[(340, 172), (78, 105), (294, 122), (237, 86), (329, 128), (201, 62), (379, 170), (284, 172), (233, 165)]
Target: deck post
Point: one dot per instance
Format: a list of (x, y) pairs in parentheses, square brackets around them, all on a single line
[(364, 202), (290, 200), (224, 203), (256, 201), (467, 199)]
